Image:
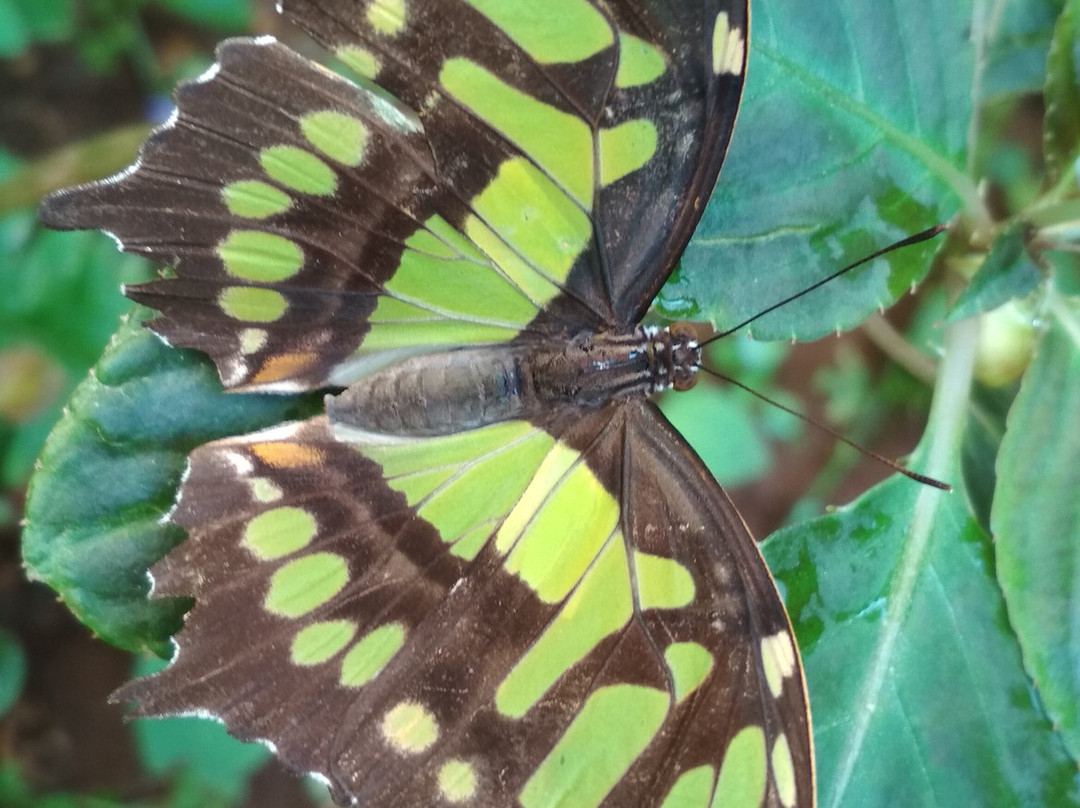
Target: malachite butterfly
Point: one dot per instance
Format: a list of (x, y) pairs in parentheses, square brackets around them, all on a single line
[(492, 573)]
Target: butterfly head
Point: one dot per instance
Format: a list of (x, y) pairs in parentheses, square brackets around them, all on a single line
[(677, 357)]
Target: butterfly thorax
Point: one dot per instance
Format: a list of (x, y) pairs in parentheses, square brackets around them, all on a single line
[(467, 388)]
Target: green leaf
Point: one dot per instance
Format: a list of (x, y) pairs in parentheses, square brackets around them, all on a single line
[(60, 302), (14, 36), (12, 670), (47, 19), (25, 21), (109, 472), (852, 133), (1061, 95), (982, 441), (31, 385), (84, 161), (1036, 519), (16, 793), (1006, 273), (1016, 55), (61, 289), (918, 689), (108, 33), (735, 453)]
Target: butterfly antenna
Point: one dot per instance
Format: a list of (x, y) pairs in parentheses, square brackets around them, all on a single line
[(929, 233), (892, 464)]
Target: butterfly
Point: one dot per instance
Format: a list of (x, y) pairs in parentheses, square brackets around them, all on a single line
[(491, 573)]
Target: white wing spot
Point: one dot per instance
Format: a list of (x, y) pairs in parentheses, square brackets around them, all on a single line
[(410, 727), (778, 659), (241, 464), (252, 340), (263, 489), (728, 47)]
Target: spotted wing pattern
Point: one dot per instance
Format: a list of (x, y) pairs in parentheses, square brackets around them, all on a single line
[(572, 615), (286, 206)]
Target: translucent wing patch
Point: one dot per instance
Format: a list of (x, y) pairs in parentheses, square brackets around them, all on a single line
[(482, 621)]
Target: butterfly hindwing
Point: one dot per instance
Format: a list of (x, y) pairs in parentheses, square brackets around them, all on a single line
[(753, 697), (545, 637)]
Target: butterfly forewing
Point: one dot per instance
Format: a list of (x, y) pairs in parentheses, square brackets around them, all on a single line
[(563, 612), (286, 198), (628, 106)]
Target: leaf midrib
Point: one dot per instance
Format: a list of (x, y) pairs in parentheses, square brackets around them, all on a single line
[(945, 431)]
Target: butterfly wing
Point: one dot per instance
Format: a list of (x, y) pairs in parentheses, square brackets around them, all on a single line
[(287, 199), (572, 615), (653, 86), (548, 187)]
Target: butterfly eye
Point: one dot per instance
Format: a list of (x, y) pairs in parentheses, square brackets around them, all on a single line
[(682, 379)]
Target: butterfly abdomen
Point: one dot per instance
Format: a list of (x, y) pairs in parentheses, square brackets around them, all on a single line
[(449, 391), (437, 393)]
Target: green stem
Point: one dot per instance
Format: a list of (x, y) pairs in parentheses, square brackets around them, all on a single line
[(1058, 212), (893, 344), (1066, 314)]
